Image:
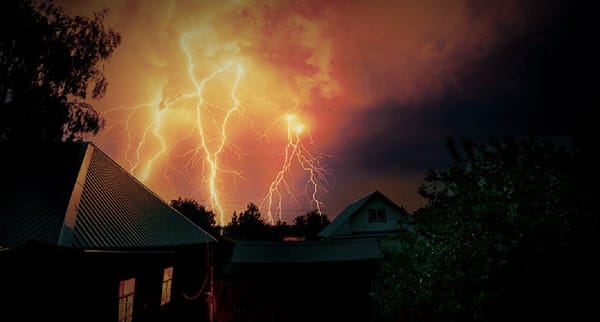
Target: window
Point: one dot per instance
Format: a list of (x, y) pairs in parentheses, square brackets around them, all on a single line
[(126, 291), (377, 215), (167, 284)]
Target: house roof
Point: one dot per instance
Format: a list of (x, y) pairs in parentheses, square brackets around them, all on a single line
[(353, 208), (247, 252), (74, 195)]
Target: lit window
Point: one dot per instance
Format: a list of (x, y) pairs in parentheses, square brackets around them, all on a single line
[(126, 291), (167, 284), (377, 215)]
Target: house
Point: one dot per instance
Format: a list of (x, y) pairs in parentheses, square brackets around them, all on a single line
[(373, 215), (82, 239), (332, 279), (313, 280)]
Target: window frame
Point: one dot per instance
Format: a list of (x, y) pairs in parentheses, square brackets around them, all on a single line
[(126, 298), (167, 286), (376, 215)]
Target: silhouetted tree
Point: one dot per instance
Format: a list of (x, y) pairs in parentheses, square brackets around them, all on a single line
[(195, 212), (248, 225), (310, 224), (502, 237), (281, 230), (48, 63)]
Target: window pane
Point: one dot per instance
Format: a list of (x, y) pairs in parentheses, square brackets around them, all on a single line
[(169, 291), (168, 273), (166, 292), (129, 286), (371, 215), (122, 308), (129, 311), (126, 291)]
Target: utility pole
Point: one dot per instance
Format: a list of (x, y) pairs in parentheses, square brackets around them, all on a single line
[(211, 294)]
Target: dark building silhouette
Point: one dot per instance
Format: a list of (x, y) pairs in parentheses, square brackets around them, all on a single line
[(333, 279), (372, 216), (83, 240)]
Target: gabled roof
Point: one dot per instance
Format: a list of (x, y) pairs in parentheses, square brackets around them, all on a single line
[(353, 208), (74, 195), (255, 252)]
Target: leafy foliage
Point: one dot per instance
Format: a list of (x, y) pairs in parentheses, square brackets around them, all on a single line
[(48, 64), (499, 226), (196, 213), (248, 225), (310, 224)]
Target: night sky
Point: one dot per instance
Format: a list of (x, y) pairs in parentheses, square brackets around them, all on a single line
[(376, 87)]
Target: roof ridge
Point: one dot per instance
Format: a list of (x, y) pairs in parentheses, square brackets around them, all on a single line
[(352, 208), (129, 174), (70, 217), (154, 194)]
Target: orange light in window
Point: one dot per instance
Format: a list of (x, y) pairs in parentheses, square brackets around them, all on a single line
[(126, 292), (168, 274), (167, 285)]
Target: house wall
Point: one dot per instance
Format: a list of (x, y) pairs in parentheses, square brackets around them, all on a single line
[(343, 230), (359, 223), (295, 292), (60, 285)]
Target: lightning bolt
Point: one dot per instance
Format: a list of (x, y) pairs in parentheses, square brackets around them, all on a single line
[(211, 156), (154, 128), (209, 150), (208, 135), (295, 150), (140, 166)]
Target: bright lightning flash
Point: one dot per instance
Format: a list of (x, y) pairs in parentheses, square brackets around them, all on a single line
[(211, 155), (295, 150), (208, 135), (209, 149)]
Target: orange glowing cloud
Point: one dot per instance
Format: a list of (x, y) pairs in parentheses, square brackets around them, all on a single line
[(197, 89)]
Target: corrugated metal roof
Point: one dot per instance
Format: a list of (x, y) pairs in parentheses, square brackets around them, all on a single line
[(36, 187), (351, 209), (306, 251), (68, 198)]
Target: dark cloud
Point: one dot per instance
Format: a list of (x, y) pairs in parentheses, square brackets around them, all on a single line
[(526, 86), (379, 84)]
